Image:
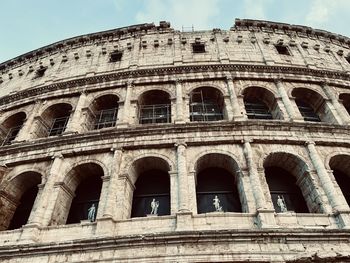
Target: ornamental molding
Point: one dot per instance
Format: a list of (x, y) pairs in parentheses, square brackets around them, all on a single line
[(290, 74)]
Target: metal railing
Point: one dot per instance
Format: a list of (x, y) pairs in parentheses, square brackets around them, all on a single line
[(58, 126), (205, 111), (11, 135), (257, 111), (105, 118), (159, 113)]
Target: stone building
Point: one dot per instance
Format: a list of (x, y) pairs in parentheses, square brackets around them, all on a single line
[(146, 144)]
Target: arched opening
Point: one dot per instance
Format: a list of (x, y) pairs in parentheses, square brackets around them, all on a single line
[(340, 164), (85, 181), (17, 200), (345, 98), (260, 104), (311, 105), (104, 112), (152, 188), (11, 127), (216, 187), (285, 194), (282, 171), (154, 107), (54, 120), (206, 104)]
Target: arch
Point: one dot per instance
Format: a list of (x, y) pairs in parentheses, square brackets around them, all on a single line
[(17, 199), (152, 187), (53, 120), (11, 126), (192, 163), (220, 89), (79, 191), (260, 103), (340, 165), (311, 105), (104, 109), (289, 182), (206, 104), (154, 107), (216, 184)]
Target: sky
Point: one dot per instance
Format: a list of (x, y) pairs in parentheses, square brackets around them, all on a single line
[(30, 24)]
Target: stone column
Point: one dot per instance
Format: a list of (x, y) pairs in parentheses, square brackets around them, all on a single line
[(75, 123), (325, 180), (182, 177), (179, 102), (254, 176), (340, 110), (26, 131), (48, 196), (174, 197), (236, 111), (125, 110), (286, 101), (265, 216), (125, 190), (184, 215), (111, 194)]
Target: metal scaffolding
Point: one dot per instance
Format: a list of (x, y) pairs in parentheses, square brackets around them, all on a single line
[(106, 118), (204, 109), (257, 110), (11, 135), (58, 126), (158, 113)]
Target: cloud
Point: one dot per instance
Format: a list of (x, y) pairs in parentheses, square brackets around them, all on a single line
[(180, 12), (321, 11), (255, 9)]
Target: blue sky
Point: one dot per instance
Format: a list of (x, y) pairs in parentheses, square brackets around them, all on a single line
[(30, 24)]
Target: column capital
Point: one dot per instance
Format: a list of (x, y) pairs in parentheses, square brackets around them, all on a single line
[(247, 140), (178, 81), (130, 83), (278, 80), (180, 144), (229, 77), (57, 155), (310, 143)]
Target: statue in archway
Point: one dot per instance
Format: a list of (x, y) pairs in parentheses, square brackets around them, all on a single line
[(154, 207), (281, 204), (216, 203), (92, 213)]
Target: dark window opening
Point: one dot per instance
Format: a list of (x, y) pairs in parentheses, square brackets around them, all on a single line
[(40, 72), (86, 195), (58, 126), (257, 110), (106, 118), (344, 183), (307, 112), (205, 105), (116, 56), (198, 48), (217, 191), (151, 186), (348, 58), (24, 208), (283, 186), (282, 50)]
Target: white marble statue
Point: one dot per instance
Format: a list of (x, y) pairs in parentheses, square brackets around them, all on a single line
[(216, 203), (92, 213), (282, 204), (154, 206)]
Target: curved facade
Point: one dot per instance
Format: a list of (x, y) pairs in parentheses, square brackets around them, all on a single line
[(146, 144)]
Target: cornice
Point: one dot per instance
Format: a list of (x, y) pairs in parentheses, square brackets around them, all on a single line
[(269, 26), (81, 40), (100, 141), (176, 70), (183, 237)]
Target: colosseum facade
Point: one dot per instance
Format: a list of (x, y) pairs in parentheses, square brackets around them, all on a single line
[(146, 144)]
